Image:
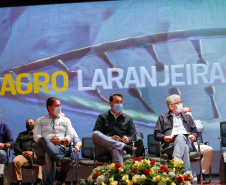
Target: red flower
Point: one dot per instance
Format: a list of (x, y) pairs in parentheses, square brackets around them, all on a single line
[(137, 159), (95, 175), (146, 172), (152, 162), (118, 165), (186, 178), (133, 171), (179, 179), (163, 168)]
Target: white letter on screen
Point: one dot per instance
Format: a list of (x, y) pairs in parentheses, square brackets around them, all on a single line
[(197, 74), (144, 73), (131, 73), (116, 79), (217, 73), (99, 74), (80, 83), (188, 71), (175, 75), (167, 77)]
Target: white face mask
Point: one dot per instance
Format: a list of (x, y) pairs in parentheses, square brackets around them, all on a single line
[(179, 107), (189, 113), (57, 111)]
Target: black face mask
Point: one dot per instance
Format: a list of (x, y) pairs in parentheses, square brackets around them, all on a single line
[(30, 127)]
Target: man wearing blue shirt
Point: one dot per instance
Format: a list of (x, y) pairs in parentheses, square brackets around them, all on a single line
[(6, 140)]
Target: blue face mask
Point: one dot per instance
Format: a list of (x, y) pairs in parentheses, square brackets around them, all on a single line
[(118, 107)]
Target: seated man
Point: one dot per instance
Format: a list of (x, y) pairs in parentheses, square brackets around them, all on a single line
[(23, 149), (6, 141), (52, 133), (176, 131), (114, 131), (206, 151)]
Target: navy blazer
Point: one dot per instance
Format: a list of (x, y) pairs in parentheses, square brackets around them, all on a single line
[(164, 126)]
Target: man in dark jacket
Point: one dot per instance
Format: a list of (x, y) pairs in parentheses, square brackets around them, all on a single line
[(176, 131), (23, 149), (114, 131)]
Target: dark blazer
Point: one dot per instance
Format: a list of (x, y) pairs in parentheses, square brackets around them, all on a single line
[(164, 126), (122, 126)]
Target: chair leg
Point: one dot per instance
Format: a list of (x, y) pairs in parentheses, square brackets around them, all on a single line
[(43, 175), (32, 176), (77, 168), (210, 176), (201, 176), (12, 174), (71, 173)]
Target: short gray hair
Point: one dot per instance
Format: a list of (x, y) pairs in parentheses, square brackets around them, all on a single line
[(170, 99)]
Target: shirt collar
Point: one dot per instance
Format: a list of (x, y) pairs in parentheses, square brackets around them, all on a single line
[(121, 113), (172, 114), (50, 117)]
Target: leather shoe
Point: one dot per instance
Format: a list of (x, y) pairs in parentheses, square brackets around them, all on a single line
[(65, 163), (19, 183), (59, 183), (199, 178), (38, 181), (130, 149)]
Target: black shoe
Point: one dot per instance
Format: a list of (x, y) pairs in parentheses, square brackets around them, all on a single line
[(199, 178), (38, 181), (65, 163), (130, 149), (19, 183)]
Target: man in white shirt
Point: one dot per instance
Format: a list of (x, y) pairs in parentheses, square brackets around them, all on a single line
[(52, 133), (206, 151)]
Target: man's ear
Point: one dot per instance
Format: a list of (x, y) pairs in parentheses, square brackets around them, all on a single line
[(111, 104), (49, 107)]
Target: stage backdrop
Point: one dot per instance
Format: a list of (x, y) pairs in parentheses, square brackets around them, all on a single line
[(84, 52)]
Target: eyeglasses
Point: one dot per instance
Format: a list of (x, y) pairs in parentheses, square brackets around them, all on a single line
[(177, 103)]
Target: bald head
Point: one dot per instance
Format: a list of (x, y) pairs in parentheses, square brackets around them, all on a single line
[(187, 110)]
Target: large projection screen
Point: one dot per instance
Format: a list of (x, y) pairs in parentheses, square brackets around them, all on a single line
[(84, 52)]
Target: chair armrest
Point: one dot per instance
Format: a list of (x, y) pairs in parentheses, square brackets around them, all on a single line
[(8, 155), (32, 158)]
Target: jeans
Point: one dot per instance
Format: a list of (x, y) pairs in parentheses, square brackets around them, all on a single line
[(104, 144), (182, 147), (3, 156), (52, 154)]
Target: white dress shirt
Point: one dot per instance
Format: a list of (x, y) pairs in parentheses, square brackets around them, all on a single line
[(178, 127), (76, 139), (59, 127)]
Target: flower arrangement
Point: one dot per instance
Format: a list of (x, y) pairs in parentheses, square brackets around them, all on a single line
[(140, 171)]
